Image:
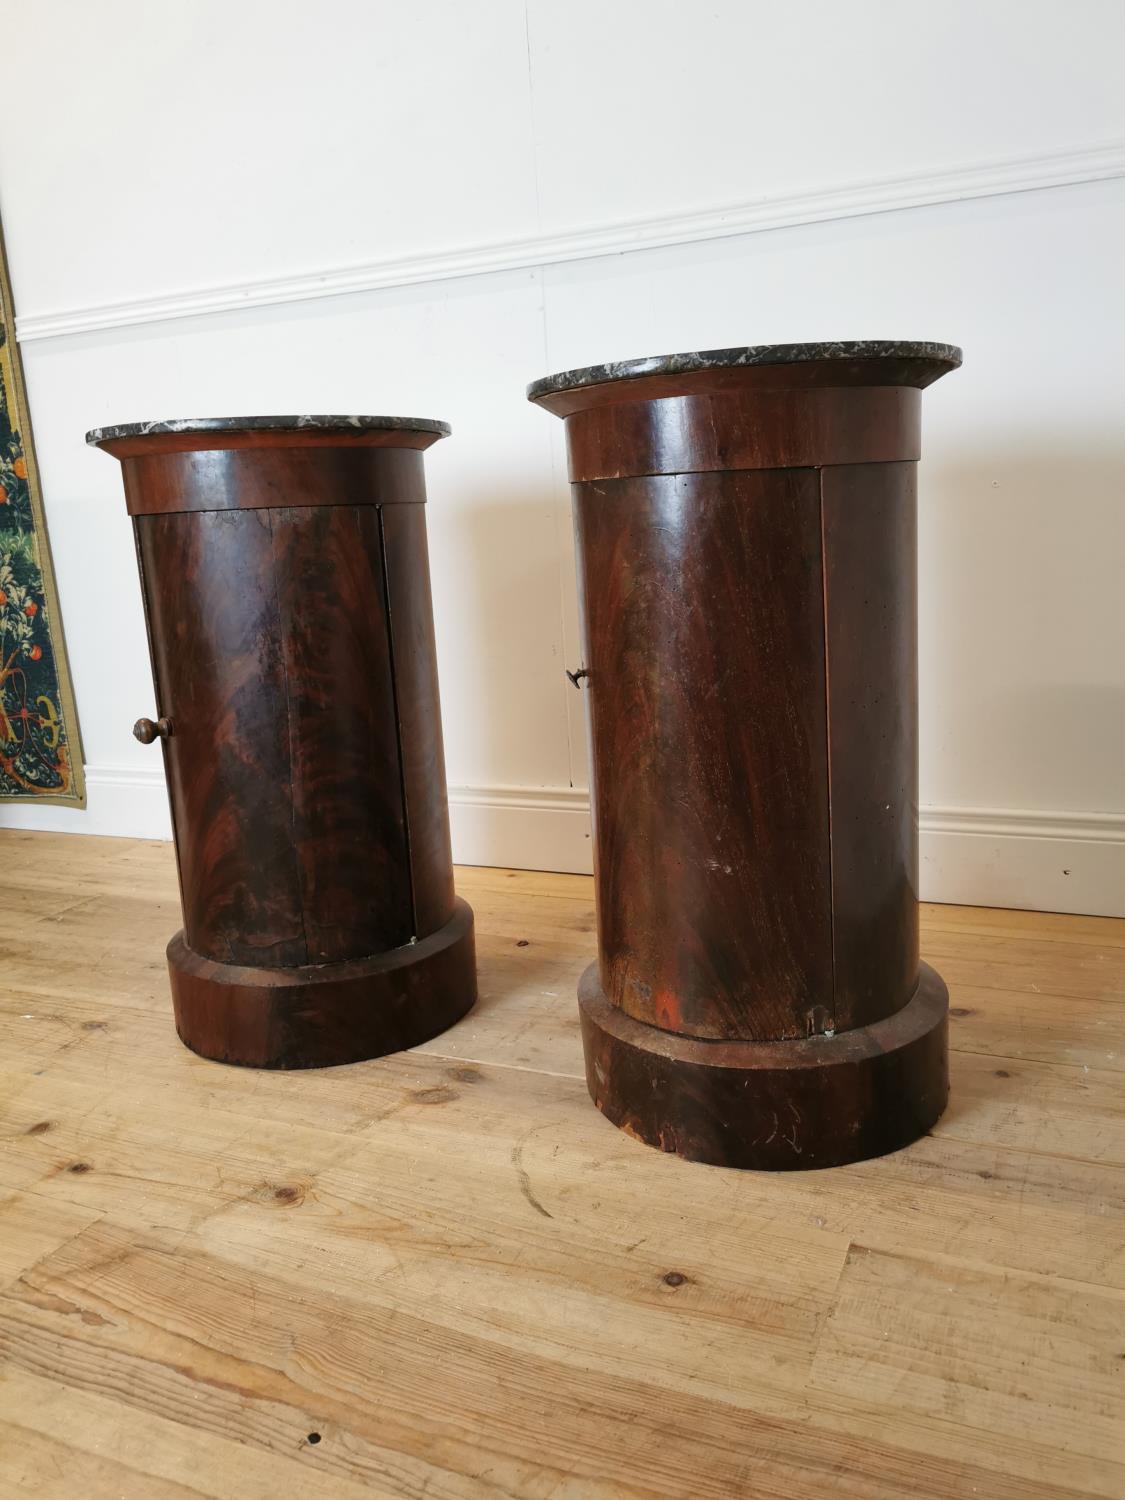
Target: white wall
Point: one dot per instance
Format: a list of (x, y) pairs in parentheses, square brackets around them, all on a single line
[(234, 206)]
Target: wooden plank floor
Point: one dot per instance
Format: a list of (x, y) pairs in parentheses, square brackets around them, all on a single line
[(451, 1270)]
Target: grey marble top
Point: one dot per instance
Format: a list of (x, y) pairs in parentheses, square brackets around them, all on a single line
[(268, 424), (753, 354)]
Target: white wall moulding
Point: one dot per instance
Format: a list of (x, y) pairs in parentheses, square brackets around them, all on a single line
[(816, 205), (1047, 861)]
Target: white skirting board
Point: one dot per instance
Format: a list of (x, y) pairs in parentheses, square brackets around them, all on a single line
[(1039, 861), (121, 802), (1046, 861)]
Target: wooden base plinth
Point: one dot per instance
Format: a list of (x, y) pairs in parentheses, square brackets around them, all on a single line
[(325, 1014), (775, 1106)]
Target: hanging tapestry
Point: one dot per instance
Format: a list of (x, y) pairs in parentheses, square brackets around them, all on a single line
[(40, 749)]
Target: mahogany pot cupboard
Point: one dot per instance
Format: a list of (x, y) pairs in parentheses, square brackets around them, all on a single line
[(747, 561), (286, 584)]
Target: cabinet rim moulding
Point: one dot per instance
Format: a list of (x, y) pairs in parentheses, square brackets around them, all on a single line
[(986, 179)]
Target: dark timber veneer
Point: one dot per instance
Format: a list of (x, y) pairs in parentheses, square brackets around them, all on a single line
[(747, 561), (286, 583)]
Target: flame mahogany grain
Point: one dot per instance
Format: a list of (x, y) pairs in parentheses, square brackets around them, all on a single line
[(747, 565), (712, 762), (288, 605)]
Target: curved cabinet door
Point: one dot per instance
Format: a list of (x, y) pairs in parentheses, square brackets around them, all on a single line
[(703, 605), (272, 660)]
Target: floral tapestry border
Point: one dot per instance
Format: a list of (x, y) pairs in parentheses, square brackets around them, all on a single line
[(40, 747)]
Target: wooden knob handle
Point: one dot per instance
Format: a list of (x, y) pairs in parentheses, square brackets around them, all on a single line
[(146, 731)]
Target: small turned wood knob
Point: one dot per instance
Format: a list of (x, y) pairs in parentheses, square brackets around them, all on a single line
[(146, 731)]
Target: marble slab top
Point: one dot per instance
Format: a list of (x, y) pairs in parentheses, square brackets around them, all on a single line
[(270, 424), (753, 354)]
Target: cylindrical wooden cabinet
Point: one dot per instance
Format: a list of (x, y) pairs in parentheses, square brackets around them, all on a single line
[(747, 562), (286, 583)]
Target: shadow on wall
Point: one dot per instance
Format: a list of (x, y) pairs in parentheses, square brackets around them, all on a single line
[(1022, 674), (506, 712)]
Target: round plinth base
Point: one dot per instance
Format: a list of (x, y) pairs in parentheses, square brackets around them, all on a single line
[(774, 1106), (324, 1014)]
